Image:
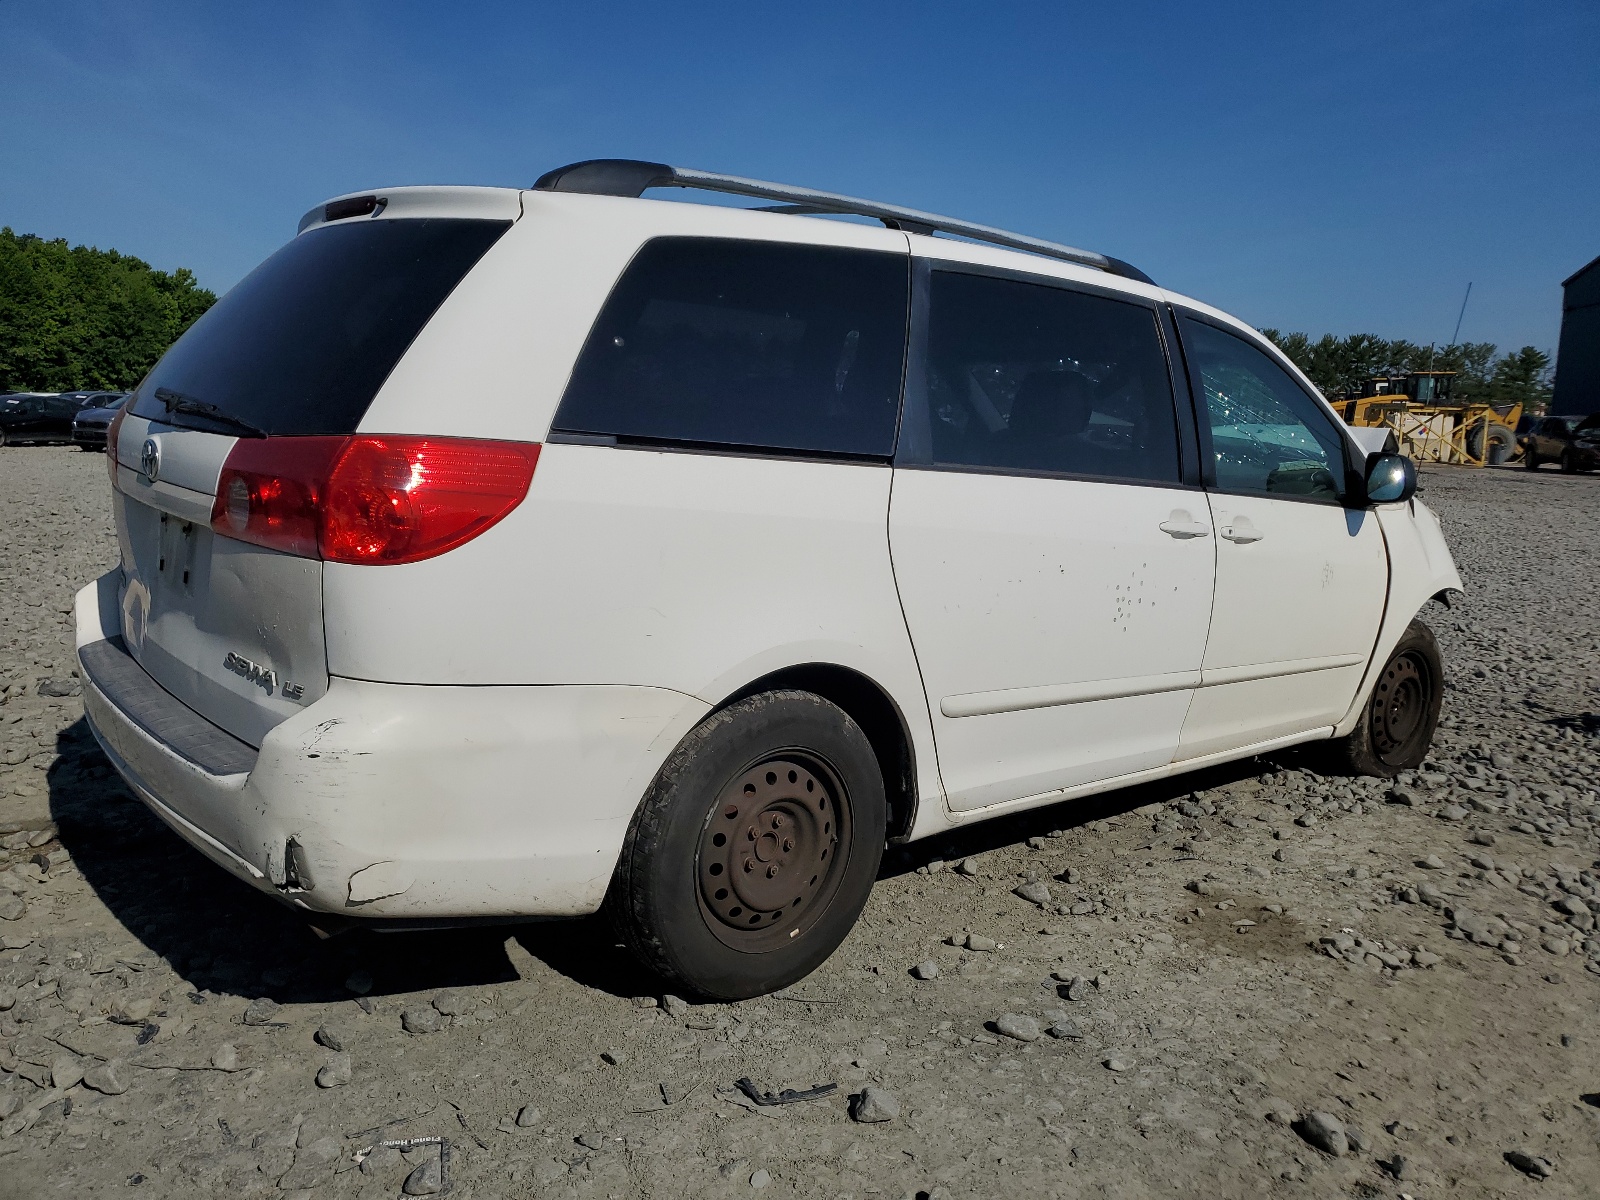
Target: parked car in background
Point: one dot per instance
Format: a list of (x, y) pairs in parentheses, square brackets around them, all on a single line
[(90, 424), (36, 417), (1583, 450), (1550, 440), (782, 539), (91, 399)]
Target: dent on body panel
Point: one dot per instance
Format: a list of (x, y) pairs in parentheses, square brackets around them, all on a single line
[(273, 593)]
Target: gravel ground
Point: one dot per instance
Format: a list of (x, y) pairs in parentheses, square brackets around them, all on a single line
[(1255, 982)]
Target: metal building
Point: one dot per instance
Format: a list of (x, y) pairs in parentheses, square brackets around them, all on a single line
[(1577, 388)]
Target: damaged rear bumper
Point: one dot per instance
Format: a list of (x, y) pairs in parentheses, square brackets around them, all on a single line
[(392, 801)]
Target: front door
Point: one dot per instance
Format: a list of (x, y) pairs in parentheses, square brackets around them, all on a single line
[(1054, 570), (1301, 580)]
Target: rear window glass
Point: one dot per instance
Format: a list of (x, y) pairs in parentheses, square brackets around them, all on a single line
[(302, 344), (757, 345)]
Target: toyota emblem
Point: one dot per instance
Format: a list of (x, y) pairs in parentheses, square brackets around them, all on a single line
[(150, 459)]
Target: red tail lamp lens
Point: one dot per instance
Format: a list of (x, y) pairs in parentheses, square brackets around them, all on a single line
[(381, 500)]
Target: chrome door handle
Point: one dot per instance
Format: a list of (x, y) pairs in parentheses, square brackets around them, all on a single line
[(1242, 531), (1181, 525)]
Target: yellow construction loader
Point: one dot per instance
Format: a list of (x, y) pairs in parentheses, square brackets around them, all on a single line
[(1428, 425)]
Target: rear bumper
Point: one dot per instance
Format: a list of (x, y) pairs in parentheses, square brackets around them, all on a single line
[(391, 801)]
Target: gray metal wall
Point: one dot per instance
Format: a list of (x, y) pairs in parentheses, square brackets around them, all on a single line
[(1577, 387)]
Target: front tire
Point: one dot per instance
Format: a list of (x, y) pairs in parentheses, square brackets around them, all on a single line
[(1398, 721), (1530, 459), (755, 849), (1569, 462)]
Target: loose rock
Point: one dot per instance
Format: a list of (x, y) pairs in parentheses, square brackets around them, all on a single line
[(1324, 1131), (873, 1105), (66, 1070), (421, 1019), (109, 1078), (1530, 1164), (334, 1073), (426, 1180), (1034, 893), (261, 1011), (1016, 1025)]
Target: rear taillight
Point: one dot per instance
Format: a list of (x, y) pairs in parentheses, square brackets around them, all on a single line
[(381, 500), (113, 432)]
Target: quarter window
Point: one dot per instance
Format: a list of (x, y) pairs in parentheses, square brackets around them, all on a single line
[(758, 345), (1030, 377), (1267, 434)]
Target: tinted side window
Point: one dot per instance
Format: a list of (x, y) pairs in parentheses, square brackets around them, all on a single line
[(1268, 435), (1030, 377), (749, 344)]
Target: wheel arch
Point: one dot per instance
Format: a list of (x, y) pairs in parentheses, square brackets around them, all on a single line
[(870, 707), (1421, 570)]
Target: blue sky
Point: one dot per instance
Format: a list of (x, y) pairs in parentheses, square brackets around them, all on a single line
[(1324, 167)]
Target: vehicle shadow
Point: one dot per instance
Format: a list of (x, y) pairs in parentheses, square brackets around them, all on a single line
[(225, 938), (993, 833)]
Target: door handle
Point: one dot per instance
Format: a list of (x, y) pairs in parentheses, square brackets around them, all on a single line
[(1183, 526), (1242, 531)]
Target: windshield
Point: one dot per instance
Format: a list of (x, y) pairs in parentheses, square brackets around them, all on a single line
[(303, 343)]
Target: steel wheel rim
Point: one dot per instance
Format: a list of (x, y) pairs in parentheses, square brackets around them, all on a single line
[(1400, 707), (773, 851)]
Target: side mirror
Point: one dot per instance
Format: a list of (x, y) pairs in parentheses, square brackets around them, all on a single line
[(1390, 478)]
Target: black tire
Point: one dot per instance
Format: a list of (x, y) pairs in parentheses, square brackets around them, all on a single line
[(1569, 463), (1530, 459), (801, 769), (1397, 723), (2, 437), (1500, 445)]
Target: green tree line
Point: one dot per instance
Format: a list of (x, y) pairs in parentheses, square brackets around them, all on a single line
[(1338, 365), (77, 317)]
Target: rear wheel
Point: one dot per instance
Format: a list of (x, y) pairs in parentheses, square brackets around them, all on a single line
[(1499, 444), (1396, 726), (755, 849), (1530, 459)]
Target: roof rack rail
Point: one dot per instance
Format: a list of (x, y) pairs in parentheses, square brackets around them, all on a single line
[(632, 177)]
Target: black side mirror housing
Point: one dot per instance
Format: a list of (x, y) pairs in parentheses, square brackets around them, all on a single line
[(1390, 478)]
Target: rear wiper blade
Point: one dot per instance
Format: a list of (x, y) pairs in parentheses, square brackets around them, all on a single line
[(177, 402)]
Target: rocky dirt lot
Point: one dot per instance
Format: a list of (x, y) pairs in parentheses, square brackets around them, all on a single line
[(1255, 982)]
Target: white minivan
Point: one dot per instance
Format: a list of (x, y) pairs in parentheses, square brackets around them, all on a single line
[(490, 553)]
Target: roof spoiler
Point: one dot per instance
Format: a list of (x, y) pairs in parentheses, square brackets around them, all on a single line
[(632, 177)]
